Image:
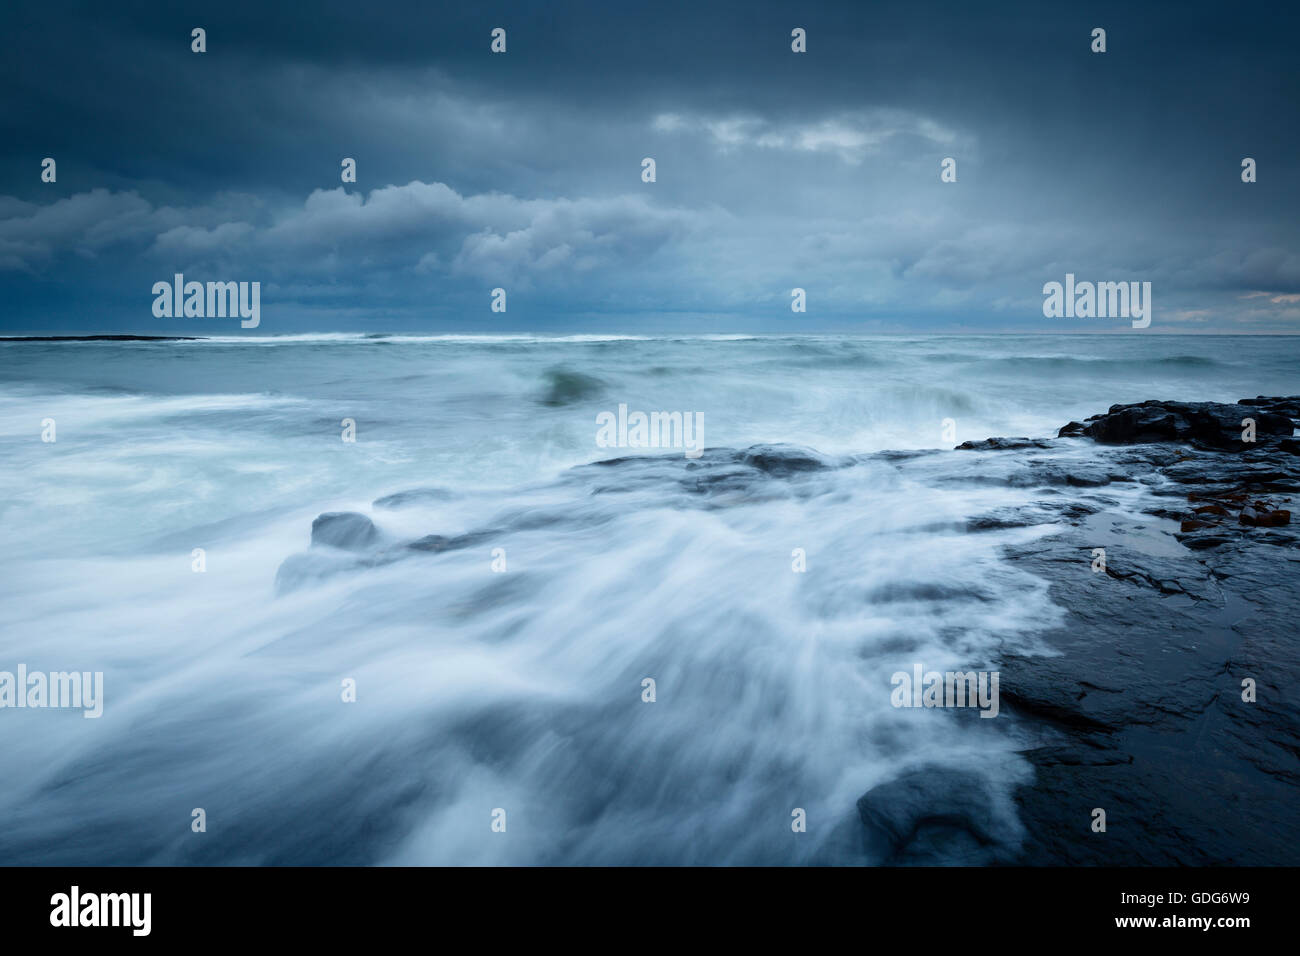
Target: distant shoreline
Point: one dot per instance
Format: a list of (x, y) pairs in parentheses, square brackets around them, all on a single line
[(646, 336), (101, 338)]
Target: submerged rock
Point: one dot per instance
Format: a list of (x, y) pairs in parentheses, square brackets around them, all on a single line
[(412, 496), (566, 387), (781, 460), (299, 570), (347, 530), (937, 815), (437, 543)]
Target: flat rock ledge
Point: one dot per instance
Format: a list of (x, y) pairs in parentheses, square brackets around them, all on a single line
[(1137, 708)]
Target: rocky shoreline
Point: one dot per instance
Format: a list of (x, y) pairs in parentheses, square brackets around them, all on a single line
[(1142, 714), (1138, 709)]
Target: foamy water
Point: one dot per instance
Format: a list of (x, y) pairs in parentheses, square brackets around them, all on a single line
[(518, 690)]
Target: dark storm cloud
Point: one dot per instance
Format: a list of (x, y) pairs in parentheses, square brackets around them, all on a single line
[(775, 170)]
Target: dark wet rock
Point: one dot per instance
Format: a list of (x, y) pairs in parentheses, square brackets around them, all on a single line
[(1077, 509), (1142, 709), (895, 592), (1207, 471), (719, 478), (1215, 508), (342, 541), (937, 815), (1205, 424), (1003, 444), (999, 522), (347, 530), (1198, 541), (783, 460), (431, 542), (1216, 496), (1138, 710), (1068, 474), (1281, 405), (779, 460), (1262, 514), (900, 454), (1137, 706), (437, 543), (719, 481), (1044, 512)]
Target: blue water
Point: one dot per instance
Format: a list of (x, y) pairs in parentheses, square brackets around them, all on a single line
[(518, 689)]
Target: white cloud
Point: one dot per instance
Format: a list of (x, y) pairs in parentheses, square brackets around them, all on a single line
[(851, 136), (420, 226)]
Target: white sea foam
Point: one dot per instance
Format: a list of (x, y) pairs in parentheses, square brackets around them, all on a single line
[(519, 690)]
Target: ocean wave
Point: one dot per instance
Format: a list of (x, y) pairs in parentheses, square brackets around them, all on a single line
[(1087, 363), (522, 688), (567, 387)]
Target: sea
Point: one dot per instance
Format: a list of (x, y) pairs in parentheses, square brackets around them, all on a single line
[(610, 655)]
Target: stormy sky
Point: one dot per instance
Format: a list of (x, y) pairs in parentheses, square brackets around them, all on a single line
[(522, 170)]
